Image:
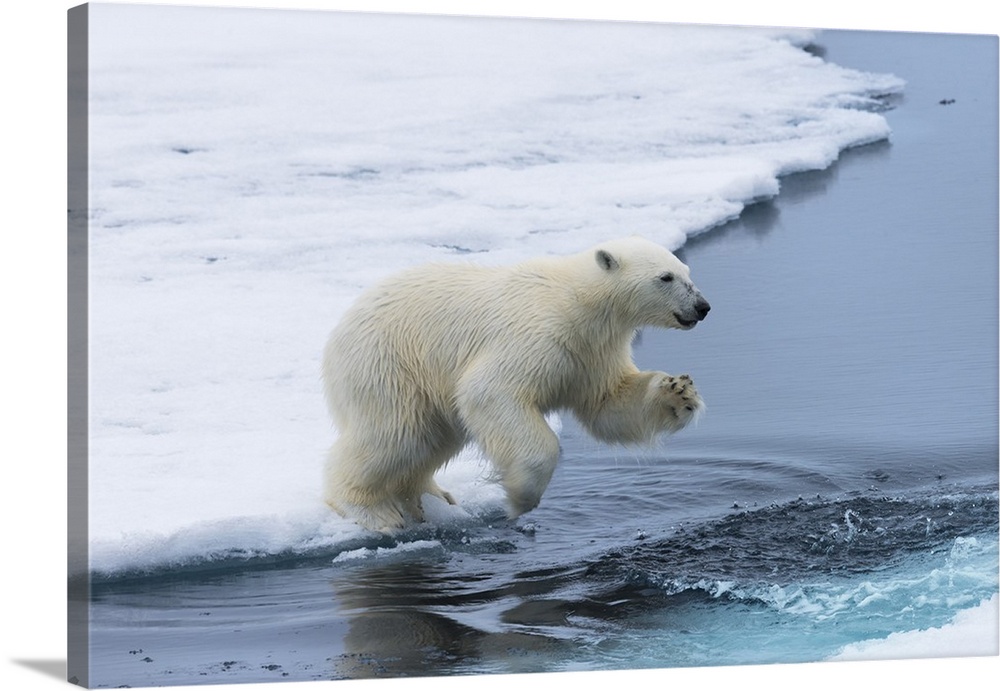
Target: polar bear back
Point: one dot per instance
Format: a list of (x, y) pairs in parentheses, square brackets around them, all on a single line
[(428, 325)]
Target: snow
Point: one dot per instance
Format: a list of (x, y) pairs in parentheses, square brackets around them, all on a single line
[(252, 171), (971, 633)]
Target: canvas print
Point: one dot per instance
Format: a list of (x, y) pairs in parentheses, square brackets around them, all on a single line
[(411, 346)]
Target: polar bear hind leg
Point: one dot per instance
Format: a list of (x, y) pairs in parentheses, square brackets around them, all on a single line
[(380, 487)]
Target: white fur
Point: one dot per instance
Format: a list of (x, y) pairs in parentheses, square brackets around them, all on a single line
[(443, 354)]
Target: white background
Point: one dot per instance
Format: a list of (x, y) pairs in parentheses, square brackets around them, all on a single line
[(33, 336)]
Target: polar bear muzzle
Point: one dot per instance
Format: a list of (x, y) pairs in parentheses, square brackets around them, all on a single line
[(699, 310)]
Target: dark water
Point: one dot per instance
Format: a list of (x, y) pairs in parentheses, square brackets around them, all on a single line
[(842, 485)]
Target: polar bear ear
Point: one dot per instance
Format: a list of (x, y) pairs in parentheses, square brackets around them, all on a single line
[(605, 260)]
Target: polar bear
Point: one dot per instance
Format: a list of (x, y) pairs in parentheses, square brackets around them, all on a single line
[(446, 354)]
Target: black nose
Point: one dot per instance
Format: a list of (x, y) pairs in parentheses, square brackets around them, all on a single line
[(702, 307)]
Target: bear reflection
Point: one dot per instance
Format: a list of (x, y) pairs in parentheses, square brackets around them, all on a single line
[(411, 619)]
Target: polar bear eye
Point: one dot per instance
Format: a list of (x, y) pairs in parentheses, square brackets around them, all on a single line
[(667, 278)]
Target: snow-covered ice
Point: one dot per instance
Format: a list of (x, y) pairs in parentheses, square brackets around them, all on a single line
[(971, 633), (252, 171)]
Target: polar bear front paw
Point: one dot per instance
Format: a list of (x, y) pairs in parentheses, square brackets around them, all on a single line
[(678, 400)]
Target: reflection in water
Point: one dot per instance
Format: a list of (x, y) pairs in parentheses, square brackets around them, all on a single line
[(413, 642), (410, 618)]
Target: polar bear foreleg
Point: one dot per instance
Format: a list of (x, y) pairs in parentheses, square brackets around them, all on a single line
[(515, 437), (525, 454), (642, 406)]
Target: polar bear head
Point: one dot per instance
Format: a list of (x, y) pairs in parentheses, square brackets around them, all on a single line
[(650, 285)]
